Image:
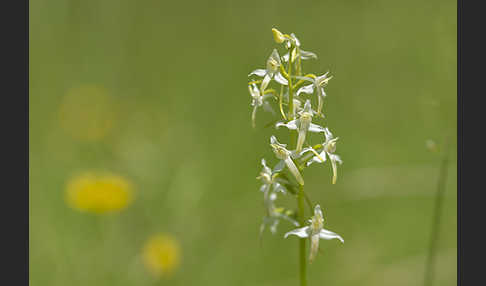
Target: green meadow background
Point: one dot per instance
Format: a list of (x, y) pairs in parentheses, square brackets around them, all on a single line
[(175, 77)]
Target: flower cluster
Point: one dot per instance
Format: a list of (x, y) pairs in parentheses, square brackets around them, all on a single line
[(284, 84)]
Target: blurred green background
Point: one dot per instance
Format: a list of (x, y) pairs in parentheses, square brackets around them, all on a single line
[(176, 110)]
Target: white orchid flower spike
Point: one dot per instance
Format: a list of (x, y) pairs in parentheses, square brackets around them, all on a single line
[(284, 155), (314, 232), (272, 71), (303, 125)]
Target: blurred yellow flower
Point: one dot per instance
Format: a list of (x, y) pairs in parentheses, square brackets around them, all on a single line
[(161, 255), (99, 193), (87, 112)]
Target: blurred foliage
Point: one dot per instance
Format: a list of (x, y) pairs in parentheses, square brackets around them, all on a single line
[(155, 92)]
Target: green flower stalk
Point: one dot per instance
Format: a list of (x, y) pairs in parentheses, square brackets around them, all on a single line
[(283, 79)]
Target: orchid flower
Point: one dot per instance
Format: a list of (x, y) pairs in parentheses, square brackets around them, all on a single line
[(273, 215), (328, 148), (271, 71), (284, 155), (298, 52), (303, 124), (258, 99), (270, 180), (314, 232), (318, 84)]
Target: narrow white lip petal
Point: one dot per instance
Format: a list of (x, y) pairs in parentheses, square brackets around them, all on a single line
[(308, 89), (328, 235), (280, 79), (316, 128), (258, 72), (314, 247), (293, 169), (300, 140), (300, 232), (253, 116), (334, 168)]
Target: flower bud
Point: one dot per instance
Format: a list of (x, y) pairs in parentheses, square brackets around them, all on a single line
[(278, 36)]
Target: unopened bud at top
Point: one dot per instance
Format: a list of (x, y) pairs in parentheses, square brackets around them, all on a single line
[(278, 36)]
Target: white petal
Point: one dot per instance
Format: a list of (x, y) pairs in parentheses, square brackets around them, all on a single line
[(336, 158), (263, 188), (300, 232), (305, 150), (308, 89), (317, 159), (306, 78), (292, 125), (265, 82), (264, 163), (328, 134), (314, 247), (316, 128), (322, 93), (280, 79), (258, 72), (328, 235), (305, 55)]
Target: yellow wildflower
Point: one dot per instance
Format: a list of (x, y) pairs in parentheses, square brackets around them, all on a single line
[(161, 255), (99, 193)]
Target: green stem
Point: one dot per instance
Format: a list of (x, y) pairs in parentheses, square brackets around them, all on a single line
[(291, 92), (302, 259)]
